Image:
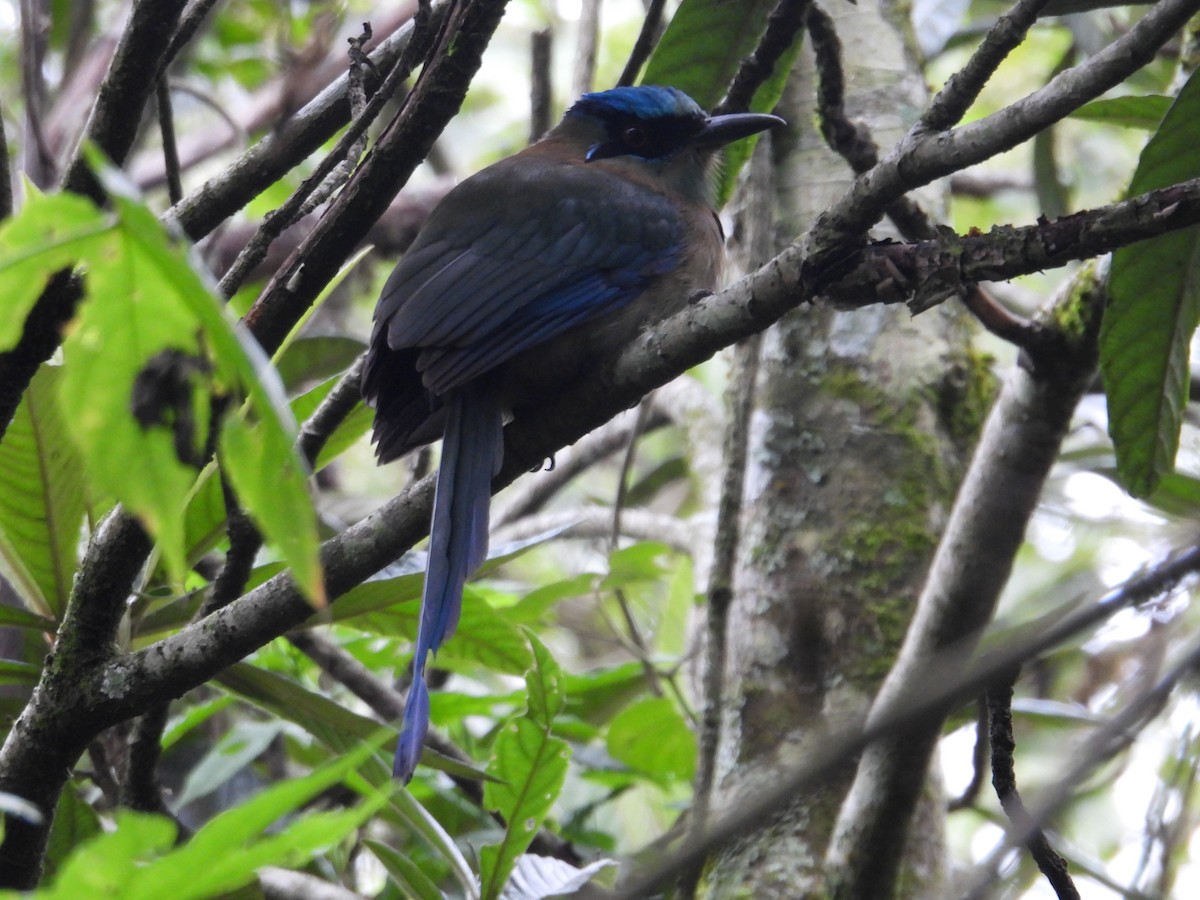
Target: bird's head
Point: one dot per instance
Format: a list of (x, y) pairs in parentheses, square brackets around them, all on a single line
[(659, 127)]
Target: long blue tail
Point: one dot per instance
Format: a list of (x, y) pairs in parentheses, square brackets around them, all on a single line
[(472, 450)]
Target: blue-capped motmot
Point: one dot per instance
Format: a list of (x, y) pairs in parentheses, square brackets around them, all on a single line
[(523, 276)]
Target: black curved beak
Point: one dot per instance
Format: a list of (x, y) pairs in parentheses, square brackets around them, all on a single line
[(721, 130)]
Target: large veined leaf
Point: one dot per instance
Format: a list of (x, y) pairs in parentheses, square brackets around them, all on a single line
[(49, 233), (651, 737), (150, 348), (700, 52), (531, 765), (1153, 311), (702, 46), (41, 499), (1144, 112), (137, 860)]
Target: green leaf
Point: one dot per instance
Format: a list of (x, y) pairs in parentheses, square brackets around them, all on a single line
[(652, 737), (226, 852), (192, 717), (544, 682), (132, 315), (700, 52), (245, 742), (307, 359), (703, 45), (483, 637), (151, 315), (597, 696), (107, 865), (15, 672), (74, 823), (41, 499), (48, 234), (271, 483), (531, 765), (406, 873), (1153, 311), (638, 562), (332, 724), (284, 512), (347, 433), (19, 618), (342, 731), (1145, 112)]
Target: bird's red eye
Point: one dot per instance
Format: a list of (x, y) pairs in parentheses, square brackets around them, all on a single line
[(634, 137)]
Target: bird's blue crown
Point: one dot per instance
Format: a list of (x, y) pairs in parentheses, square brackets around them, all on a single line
[(645, 102), (647, 122)]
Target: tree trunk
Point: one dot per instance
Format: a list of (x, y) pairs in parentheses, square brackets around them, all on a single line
[(861, 428)]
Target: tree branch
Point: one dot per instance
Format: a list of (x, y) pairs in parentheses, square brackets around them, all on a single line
[(281, 150), (925, 273), (434, 100), (923, 156)]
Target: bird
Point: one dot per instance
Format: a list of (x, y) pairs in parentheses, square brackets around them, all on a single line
[(523, 277)]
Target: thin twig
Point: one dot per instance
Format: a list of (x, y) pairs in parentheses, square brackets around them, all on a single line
[(635, 635), (783, 25), (360, 64), (189, 24), (648, 36), (979, 762), (1004, 780), (166, 127), (931, 694), (853, 141), (40, 163), (585, 48), (1109, 739), (331, 412), (541, 91), (961, 90), (455, 55), (296, 206), (140, 787), (759, 193), (532, 495), (283, 148)]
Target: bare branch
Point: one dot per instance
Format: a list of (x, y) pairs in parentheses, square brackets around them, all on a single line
[(284, 148), (962, 89), (923, 156), (1004, 779), (647, 37), (783, 24)]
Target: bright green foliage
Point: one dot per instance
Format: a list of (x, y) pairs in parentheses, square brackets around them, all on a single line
[(41, 499), (50, 234), (136, 861), (148, 360), (531, 765), (1144, 112), (405, 872), (1153, 312), (651, 737)]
